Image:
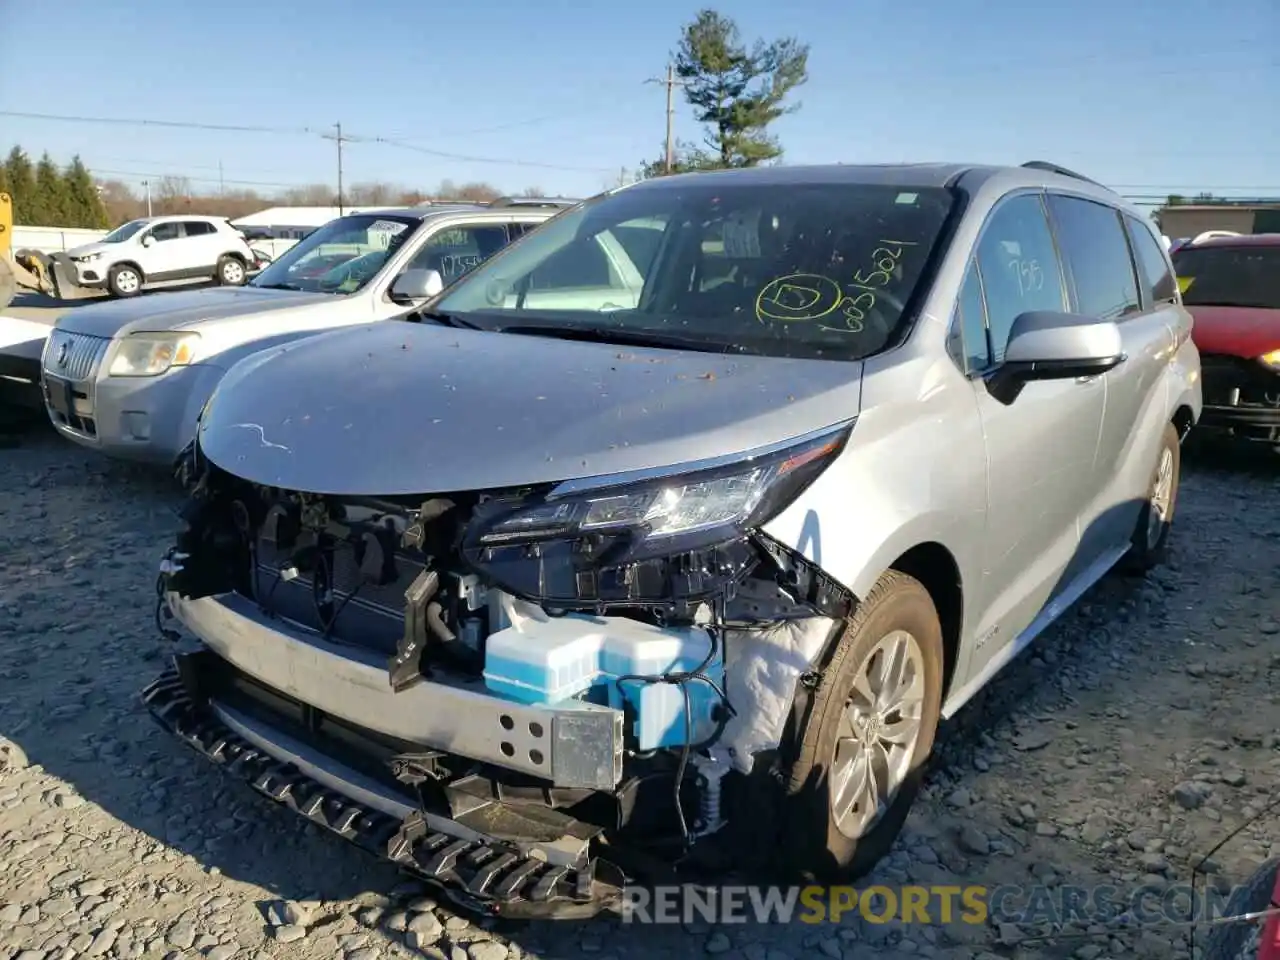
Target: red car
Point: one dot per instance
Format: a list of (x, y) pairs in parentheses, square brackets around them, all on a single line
[(1231, 285)]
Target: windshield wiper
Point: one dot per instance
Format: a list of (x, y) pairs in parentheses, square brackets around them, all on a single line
[(277, 286), (631, 338), (444, 319)]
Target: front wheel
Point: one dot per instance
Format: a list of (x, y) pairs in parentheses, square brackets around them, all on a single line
[(230, 271), (870, 731), (1245, 939), (1150, 544), (124, 280)]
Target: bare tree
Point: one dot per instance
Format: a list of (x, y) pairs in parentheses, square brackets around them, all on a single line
[(172, 195), (121, 202), (313, 195), (372, 194)]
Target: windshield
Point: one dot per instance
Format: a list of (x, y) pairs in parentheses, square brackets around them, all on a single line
[(120, 234), (799, 270), (1243, 276), (340, 257)]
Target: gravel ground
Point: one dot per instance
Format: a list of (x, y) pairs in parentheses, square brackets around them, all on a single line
[(1136, 734)]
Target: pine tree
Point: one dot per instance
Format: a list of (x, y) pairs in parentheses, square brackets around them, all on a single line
[(4, 179), (84, 204), (736, 92), (22, 185), (51, 200)]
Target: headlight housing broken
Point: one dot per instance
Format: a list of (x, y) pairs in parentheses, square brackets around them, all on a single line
[(680, 536), (151, 354)]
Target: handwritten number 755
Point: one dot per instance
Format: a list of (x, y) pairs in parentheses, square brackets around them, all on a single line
[(1029, 274)]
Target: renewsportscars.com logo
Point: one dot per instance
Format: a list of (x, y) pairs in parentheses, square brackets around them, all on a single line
[(917, 904), (814, 904)]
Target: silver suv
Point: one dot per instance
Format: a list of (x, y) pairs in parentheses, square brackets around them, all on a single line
[(676, 560), (129, 378)]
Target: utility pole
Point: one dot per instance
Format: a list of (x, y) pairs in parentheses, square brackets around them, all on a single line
[(338, 140), (222, 185), (146, 185), (670, 82)]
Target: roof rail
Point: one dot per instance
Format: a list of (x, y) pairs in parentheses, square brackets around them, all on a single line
[(535, 202), (1048, 167)]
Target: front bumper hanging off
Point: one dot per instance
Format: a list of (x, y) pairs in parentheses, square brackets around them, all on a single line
[(476, 872)]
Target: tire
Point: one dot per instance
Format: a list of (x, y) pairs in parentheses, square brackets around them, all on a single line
[(230, 271), (1150, 543), (124, 280), (812, 844), (1228, 941)]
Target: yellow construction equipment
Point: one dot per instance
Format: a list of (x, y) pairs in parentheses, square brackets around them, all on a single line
[(8, 282), (28, 269)]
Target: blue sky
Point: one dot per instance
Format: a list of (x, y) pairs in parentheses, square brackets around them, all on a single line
[(1149, 96)]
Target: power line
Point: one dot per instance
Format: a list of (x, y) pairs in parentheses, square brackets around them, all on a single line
[(323, 133), (1004, 65), (140, 122), (185, 176), (610, 106), (1183, 187), (465, 158)]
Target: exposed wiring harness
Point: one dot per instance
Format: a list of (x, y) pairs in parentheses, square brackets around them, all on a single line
[(328, 622), (682, 679)]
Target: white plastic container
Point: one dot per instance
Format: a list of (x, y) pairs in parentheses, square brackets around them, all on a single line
[(544, 659), (544, 662)]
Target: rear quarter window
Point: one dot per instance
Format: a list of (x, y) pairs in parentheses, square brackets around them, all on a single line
[(1153, 266)]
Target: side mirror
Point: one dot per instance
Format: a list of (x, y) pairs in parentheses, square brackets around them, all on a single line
[(148, 241), (415, 285), (1048, 345)]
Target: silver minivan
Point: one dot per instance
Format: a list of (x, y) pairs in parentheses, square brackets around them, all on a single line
[(663, 539)]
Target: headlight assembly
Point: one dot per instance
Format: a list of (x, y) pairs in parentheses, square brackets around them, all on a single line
[(1271, 360), (681, 536), (151, 354)]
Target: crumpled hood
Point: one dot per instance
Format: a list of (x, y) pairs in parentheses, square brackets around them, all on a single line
[(179, 309), (402, 408), (1236, 331)]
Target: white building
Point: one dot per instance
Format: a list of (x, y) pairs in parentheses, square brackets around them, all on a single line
[(293, 223)]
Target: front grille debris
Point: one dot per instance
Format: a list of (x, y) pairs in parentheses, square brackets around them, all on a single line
[(483, 875)]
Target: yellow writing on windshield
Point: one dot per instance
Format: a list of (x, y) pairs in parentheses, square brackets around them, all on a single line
[(798, 298), (810, 297)]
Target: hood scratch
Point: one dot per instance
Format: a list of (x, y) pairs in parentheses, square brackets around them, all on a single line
[(262, 437)]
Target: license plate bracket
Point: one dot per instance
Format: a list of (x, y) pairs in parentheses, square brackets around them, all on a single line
[(60, 395)]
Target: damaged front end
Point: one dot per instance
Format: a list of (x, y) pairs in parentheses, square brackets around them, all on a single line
[(530, 697)]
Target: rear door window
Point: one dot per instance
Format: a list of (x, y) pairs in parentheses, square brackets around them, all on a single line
[(455, 250), (1096, 256)]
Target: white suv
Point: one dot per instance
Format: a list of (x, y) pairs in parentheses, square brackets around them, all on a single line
[(160, 249)]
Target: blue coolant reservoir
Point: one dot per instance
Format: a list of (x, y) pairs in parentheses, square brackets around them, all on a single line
[(545, 659)]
